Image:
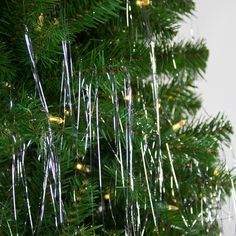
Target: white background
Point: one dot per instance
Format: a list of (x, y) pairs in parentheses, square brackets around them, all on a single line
[(215, 21)]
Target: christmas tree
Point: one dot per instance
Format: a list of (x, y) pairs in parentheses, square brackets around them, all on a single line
[(99, 132)]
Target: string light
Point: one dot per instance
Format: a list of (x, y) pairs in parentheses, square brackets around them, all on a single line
[(40, 22), (172, 208), (67, 112), (107, 196), (216, 172), (8, 85), (83, 168), (79, 166), (56, 119), (143, 3), (179, 125)]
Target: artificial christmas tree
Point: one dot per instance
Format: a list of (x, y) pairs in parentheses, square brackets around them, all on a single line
[(99, 134)]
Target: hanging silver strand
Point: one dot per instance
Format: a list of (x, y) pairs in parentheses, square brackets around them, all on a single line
[(68, 76), (99, 152), (143, 153), (51, 159), (155, 88), (78, 102), (25, 184), (13, 171)]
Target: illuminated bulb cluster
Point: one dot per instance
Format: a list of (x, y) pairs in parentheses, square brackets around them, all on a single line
[(40, 22), (56, 119), (172, 208), (107, 196), (83, 168), (8, 85), (216, 173), (143, 3), (67, 112), (179, 125)]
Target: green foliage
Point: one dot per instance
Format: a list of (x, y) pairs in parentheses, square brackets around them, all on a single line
[(107, 50), (7, 70)]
